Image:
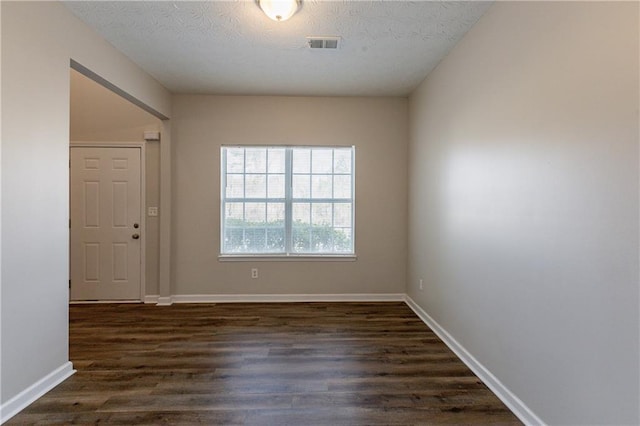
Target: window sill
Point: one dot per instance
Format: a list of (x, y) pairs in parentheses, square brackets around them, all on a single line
[(287, 258)]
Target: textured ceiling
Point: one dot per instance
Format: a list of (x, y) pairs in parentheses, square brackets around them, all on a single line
[(231, 47)]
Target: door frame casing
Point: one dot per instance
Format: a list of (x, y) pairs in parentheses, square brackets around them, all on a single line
[(143, 206)]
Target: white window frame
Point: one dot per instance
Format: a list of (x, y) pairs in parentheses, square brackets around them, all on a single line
[(288, 201)]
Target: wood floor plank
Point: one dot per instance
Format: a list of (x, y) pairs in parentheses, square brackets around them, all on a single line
[(262, 364)]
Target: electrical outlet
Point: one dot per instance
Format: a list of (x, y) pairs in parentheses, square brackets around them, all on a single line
[(152, 211), (421, 287), (254, 273)]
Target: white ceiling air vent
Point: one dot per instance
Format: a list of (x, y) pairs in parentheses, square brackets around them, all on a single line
[(323, 42)]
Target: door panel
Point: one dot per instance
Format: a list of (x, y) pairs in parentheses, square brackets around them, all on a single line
[(105, 205)]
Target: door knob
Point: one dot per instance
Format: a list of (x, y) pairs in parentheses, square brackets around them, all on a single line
[(135, 236), (135, 225)]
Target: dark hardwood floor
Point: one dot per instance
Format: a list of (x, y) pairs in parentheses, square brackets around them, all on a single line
[(271, 364)]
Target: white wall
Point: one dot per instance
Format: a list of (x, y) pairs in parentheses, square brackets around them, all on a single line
[(38, 40), (378, 129), (524, 204)]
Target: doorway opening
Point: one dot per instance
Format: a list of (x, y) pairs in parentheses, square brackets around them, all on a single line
[(105, 129)]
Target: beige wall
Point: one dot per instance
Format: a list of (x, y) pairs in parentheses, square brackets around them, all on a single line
[(38, 41), (524, 204), (100, 116), (378, 129)]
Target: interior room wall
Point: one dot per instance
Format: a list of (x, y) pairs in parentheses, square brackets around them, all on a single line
[(378, 129), (38, 41), (523, 212), (100, 116)]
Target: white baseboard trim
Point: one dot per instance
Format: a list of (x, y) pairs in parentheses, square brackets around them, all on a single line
[(280, 298), (151, 298), (164, 300), (35, 391), (524, 413), (99, 302)]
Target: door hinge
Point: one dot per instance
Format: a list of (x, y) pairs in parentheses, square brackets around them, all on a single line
[(69, 223), (69, 283)]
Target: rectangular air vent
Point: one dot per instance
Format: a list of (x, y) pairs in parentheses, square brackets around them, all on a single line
[(317, 42)]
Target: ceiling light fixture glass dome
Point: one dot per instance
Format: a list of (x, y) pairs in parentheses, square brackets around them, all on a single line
[(279, 10)]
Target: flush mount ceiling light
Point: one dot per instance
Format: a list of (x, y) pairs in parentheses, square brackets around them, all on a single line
[(279, 10)]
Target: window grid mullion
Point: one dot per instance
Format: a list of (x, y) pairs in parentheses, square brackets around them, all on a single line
[(223, 204), (333, 226), (311, 174), (257, 200), (244, 175), (266, 177), (244, 195), (288, 208), (333, 175)]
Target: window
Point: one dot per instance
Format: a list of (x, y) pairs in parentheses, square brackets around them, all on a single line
[(287, 200)]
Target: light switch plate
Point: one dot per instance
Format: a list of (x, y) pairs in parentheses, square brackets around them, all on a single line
[(152, 211)]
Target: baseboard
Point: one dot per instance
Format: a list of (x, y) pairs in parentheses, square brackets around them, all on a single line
[(98, 302), (279, 298), (35, 391), (151, 298), (526, 415), (165, 300)]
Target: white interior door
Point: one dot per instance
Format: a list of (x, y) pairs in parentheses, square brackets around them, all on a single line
[(106, 231)]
